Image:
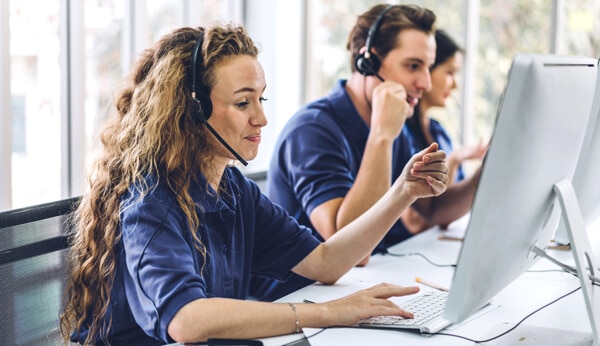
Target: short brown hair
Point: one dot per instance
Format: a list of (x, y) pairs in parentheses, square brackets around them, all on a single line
[(396, 19)]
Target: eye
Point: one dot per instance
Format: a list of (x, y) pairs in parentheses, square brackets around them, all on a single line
[(414, 66), (243, 104), (262, 99)]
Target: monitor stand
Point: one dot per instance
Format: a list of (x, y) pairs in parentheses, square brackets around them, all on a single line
[(584, 260), (582, 253)]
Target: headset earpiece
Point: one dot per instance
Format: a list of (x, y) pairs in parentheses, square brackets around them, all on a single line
[(204, 106), (200, 92), (367, 63)]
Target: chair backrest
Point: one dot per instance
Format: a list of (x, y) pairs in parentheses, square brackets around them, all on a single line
[(260, 178), (33, 244)]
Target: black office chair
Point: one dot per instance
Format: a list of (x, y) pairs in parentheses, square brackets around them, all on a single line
[(260, 178), (33, 244)]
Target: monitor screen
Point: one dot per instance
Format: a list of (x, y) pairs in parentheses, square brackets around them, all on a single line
[(538, 135), (586, 182)]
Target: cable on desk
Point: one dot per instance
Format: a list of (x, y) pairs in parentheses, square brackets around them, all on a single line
[(295, 342), (565, 267), (300, 341), (595, 280), (516, 325), (386, 252)]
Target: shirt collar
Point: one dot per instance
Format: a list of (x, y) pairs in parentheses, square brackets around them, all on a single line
[(227, 200)]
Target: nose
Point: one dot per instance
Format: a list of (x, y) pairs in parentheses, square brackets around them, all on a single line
[(259, 118), (424, 81), (454, 84)]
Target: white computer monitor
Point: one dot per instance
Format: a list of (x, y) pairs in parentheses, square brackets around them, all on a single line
[(586, 180), (580, 205), (538, 135)]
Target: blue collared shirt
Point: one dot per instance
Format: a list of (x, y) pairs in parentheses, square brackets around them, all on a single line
[(318, 154), (159, 268)]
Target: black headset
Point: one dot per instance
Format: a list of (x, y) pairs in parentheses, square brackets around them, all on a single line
[(200, 94), (367, 63)]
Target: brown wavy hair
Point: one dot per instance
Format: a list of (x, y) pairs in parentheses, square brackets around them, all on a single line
[(152, 131)]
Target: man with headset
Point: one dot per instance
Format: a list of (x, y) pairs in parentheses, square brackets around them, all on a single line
[(338, 155)]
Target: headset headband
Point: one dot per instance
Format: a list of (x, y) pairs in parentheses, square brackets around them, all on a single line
[(373, 30), (195, 62)]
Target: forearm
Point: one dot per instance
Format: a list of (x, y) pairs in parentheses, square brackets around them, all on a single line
[(423, 176), (356, 240), (414, 222), (372, 181), (240, 319)]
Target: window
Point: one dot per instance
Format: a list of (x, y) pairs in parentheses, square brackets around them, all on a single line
[(492, 36), (103, 66), (35, 101), (65, 59)]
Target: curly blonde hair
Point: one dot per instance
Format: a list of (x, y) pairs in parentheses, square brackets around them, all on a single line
[(152, 131)]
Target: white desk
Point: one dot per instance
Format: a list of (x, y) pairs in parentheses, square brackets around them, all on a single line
[(529, 292)]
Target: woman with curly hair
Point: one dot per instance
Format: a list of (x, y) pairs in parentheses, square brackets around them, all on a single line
[(165, 241)]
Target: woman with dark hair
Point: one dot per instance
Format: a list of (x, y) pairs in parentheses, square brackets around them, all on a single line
[(426, 130), (166, 239)]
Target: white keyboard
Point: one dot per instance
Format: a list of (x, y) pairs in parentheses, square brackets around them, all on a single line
[(427, 309)]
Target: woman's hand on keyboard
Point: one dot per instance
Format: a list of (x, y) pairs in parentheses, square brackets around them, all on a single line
[(369, 302)]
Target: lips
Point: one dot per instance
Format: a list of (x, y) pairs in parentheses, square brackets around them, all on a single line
[(412, 101), (254, 138)]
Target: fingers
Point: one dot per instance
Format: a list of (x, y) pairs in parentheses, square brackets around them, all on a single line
[(373, 301), (432, 168), (383, 292), (389, 110), (437, 186), (426, 174), (428, 154)]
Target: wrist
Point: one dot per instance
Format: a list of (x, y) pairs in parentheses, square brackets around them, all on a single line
[(380, 138), (400, 195), (297, 321)]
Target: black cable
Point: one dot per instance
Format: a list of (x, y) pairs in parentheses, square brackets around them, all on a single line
[(516, 325), (295, 342), (301, 341), (386, 252)]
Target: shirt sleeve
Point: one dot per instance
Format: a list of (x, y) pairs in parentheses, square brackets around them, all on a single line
[(161, 275), (317, 159), (280, 243)]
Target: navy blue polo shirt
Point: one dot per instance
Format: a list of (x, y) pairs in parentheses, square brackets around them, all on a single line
[(159, 268), (318, 154)]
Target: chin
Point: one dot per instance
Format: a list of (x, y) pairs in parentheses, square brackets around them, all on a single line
[(250, 156)]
